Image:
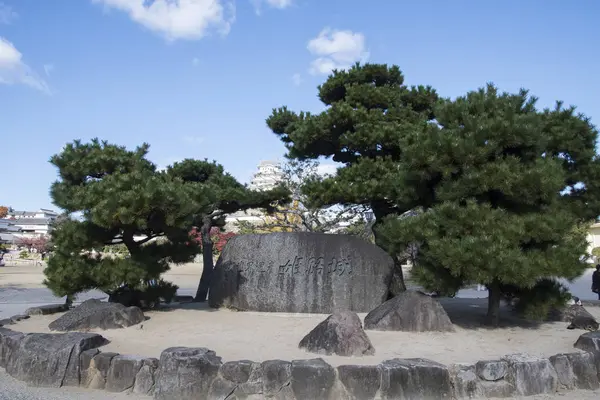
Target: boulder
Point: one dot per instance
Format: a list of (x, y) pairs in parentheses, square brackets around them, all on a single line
[(96, 314), (186, 373), (312, 379), (576, 371), (6, 321), (360, 382), (491, 370), (415, 378), (242, 378), (95, 372), (277, 375), (301, 272), (145, 378), (122, 372), (51, 360), (579, 318), (411, 312), (340, 334), (9, 342), (530, 375), (464, 381), (46, 309), (589, 341)]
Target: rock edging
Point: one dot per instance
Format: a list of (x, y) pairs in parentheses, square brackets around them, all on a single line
[(73, 359)]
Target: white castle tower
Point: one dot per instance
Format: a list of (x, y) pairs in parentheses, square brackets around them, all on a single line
[(268, 176)]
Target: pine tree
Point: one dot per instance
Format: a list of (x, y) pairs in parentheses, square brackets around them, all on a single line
[(370, 114), (114, 196), (507, 188)]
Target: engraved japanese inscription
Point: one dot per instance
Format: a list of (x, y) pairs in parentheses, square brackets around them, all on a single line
[(300, 272)]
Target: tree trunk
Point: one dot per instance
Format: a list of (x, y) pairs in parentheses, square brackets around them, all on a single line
[(207, 261), (493, 312), (397, 284)]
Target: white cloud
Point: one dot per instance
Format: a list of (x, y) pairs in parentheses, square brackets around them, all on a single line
[(195, 61), (336, 49), (14, 71), (178, 19), (278, 4), (7, 15), (297, 79), (48, 68), (193, 139)]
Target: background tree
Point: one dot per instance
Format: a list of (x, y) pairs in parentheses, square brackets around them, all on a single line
[(216, 194), (3, 212), (505, 189), (38, 243), (298, 215), (370, 114)]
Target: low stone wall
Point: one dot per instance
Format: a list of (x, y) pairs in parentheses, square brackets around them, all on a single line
[(73, 359)]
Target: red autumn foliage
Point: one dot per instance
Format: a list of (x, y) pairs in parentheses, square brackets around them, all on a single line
[(218, 238), (38, 243)]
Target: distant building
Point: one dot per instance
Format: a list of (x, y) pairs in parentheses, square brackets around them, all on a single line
[(8, 229), (268, 176), (32, 223)]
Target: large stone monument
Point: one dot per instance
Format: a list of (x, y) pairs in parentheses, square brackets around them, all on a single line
[(301, 272)]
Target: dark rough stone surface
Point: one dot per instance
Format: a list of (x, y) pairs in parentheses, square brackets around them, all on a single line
[(301, 272), (6, 321), (530, 375), (51, 360), (410, 311), (9, 342), (237, 371), (122, 372), (576, 371), (341, 334), (47, 309), (95, 375), (96, 314), (589, 341), (579, 318), (277, 375), (312, 379), (361, 382), (491, 370), (464, 381), (19, 317), (186, 373), (415, 379), (144, 380)]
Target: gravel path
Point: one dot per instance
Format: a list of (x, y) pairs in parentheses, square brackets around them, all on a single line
[(11, 389)]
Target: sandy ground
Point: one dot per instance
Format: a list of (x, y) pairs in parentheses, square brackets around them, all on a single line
[(32, 276), (264, 336)]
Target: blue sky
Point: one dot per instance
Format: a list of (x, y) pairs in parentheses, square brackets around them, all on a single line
[(197, 78)]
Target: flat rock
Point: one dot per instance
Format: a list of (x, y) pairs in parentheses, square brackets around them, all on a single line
[(589, 341), (122, 372), (491, 370), (301, 272), (415, 378), (9, 343), (186, 373), (277, 375), (530, 375), (410, 311), (464, 381), (360, 382), (144, 380), (576, 371), (46, 309), (51, 360), (96, 314), (312, 379), (341, 334)]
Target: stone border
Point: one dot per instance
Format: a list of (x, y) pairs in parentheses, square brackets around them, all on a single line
[(73, 359)]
